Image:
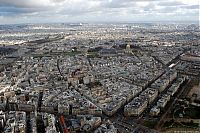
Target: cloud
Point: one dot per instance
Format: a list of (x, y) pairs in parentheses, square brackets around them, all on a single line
[(190, 7), (170, 3), (77, 10), (23, 3)]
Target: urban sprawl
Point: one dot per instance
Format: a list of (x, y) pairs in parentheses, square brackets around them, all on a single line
[(101, 78)]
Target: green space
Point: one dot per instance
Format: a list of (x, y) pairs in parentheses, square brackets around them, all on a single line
[(193, 112), (150, 124), (168, 124), (41, 55), (67, 53), (92, 55), (172, 124), (190, 124), (1, 67), (56, 53), (177, 112), (72, 53), (94, 84)]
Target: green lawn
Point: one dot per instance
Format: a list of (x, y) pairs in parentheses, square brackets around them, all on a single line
[(92, 55), (191, 124), (150, 124), (40, 55), (168, 123), (193, 112), (70, 53)]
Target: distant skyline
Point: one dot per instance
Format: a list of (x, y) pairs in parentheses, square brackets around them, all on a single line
[(55, 11)]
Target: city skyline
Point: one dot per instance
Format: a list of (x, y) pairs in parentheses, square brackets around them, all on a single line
[(53, 11)]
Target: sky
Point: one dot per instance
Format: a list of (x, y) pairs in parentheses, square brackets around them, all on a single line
[(50, 11)]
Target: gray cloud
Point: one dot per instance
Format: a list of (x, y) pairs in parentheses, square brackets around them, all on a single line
[(58, 0), (170, 3), (95, 9), (191, 7), (19, 3)]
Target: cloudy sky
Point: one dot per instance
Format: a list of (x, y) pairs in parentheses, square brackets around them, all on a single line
[(44, 11)]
